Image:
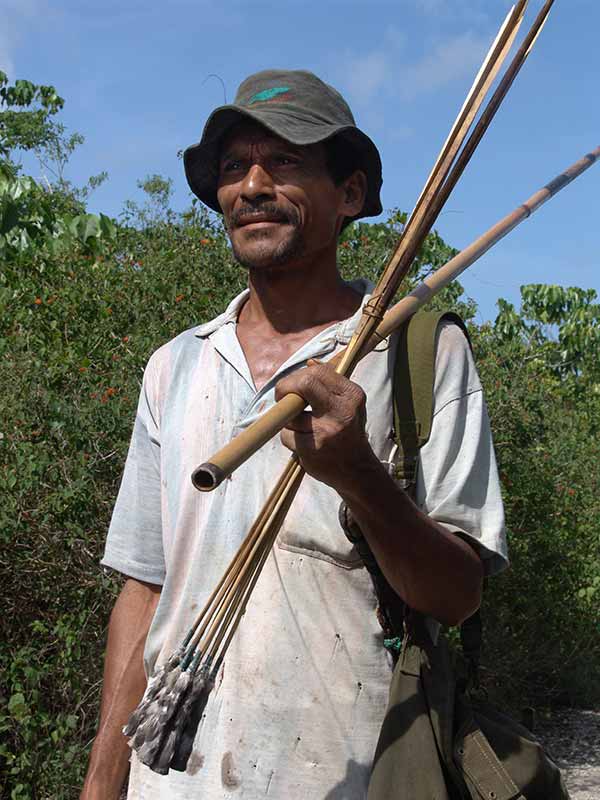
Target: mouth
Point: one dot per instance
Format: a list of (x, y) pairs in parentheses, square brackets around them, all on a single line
[(259, 221)]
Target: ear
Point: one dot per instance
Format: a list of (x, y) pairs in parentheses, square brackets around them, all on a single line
[(354, 193)]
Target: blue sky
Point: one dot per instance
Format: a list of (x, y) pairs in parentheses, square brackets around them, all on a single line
[(134, 76)]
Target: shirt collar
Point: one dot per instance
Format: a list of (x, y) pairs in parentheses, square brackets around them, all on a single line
[(340, 332)]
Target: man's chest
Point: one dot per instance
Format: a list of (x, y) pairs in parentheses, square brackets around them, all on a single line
[(209, 399), (204, 407), (265, 352)]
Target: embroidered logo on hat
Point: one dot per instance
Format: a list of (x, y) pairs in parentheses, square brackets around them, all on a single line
[(268, 94)]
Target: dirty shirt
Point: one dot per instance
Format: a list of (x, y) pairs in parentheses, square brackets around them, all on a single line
[(300, 699)]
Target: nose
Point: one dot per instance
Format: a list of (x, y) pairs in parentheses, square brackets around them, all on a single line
[(257, 183)]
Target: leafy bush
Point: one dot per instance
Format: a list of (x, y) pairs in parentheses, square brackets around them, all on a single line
[(543, 389), (76, 331)]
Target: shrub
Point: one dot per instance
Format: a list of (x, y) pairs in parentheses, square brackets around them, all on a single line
[(77, 329)]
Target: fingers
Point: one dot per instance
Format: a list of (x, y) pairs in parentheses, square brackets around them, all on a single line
[(303, 423), (297, 441), (322, 387)]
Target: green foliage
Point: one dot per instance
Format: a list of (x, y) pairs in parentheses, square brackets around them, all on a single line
[(156, 209), (53, 154), (543, 615), (563, 326), (76, 330), (27, 213), (45, 221), (25, 115)]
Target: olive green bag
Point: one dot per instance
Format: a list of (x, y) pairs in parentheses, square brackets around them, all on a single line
[(435, 742)]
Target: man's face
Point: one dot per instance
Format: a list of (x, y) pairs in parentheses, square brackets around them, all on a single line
[(279, 202)]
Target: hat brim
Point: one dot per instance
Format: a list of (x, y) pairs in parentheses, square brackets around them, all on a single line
[(201, 159)]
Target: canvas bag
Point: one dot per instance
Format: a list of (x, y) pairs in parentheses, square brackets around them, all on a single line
[(435, 743)]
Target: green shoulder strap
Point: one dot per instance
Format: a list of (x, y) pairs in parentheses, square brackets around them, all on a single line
[(414, 376)]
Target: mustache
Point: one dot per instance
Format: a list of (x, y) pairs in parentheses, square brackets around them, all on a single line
[(272, 210)]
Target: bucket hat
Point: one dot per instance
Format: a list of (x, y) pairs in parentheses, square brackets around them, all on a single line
[(295, 105)]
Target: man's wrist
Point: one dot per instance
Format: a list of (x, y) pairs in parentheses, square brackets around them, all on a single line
[(107, 771), (101, 787), (356, 476)]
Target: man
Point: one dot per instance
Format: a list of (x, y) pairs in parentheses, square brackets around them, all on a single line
[(297, 707)]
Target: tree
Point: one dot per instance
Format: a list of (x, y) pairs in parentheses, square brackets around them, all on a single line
[(31, 214), (25, 118), (157, 208), (560, 325), (539, 367)]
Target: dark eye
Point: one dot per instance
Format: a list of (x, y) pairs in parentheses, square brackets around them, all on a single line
[(231, 165), (284, 160)]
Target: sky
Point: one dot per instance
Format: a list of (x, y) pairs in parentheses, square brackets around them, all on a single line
[(138, 80)]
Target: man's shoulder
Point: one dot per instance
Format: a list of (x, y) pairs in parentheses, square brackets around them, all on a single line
[(184, 343), (172, 363), (193, 339), (455, 371)]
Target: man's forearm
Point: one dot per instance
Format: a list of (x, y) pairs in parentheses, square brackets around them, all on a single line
[(124, 685), (433, 570)]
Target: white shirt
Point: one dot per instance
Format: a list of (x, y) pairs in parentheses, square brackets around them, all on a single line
[(297, 708)]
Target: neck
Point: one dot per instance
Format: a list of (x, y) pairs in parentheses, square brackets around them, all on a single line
[(291, 299)]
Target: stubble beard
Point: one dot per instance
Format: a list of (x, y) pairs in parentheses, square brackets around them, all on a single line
[(260, 253), (264, 255)]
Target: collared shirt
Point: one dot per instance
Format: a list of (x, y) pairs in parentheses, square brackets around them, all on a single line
[(297, 707)]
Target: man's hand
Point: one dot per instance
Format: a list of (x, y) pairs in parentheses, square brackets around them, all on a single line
[(330, 440), (432, 569), (124, 685)]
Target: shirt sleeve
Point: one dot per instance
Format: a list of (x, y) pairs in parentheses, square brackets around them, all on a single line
[(134, 544), (458, 484)]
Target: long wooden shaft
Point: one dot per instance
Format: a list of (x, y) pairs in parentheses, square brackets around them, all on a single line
[(288, 496), (252, 439), (518, 12), (438, 280), (488, 115), (240, 564), (430, 204), (270, 528), (430, 211), (219, 594)]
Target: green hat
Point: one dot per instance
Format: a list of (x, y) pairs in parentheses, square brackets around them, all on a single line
[(298, 107)]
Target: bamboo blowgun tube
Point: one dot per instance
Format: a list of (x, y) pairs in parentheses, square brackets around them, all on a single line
[(210, 474)]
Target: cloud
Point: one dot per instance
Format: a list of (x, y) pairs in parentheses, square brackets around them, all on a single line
[(449, 60), (385, 72), (7, 63), (369, 73), (14, 15), (363, 76)]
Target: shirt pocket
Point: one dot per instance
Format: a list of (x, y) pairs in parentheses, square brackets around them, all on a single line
[(312, 527)]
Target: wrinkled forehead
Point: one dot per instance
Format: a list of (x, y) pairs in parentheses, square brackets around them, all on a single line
[(249, 135)]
